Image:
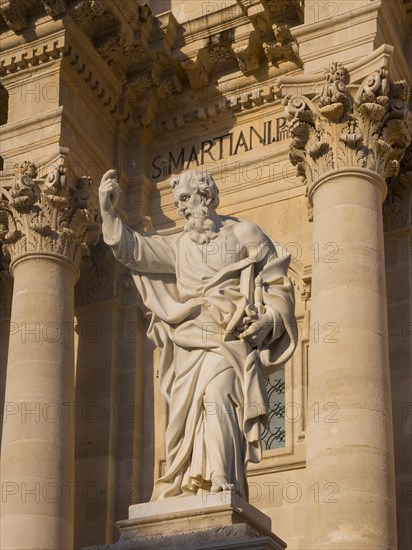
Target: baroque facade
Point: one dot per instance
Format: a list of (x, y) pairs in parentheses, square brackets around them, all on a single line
[(300, 110)]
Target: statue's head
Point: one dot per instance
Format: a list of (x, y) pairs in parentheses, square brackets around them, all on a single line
[(196, 198)]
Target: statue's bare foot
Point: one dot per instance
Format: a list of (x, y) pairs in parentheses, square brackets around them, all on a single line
[(220, 484)]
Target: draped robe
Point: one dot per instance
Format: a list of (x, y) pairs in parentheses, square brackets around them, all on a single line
[(196, 300)]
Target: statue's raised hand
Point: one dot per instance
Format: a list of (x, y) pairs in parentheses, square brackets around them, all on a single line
[(109, 192)]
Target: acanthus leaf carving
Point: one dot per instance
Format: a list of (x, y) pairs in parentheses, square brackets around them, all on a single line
[(168, 86), (109, 47), (284, 48), (54, 8), (91, 11), (48, 215), (334, 131), (141, 83)]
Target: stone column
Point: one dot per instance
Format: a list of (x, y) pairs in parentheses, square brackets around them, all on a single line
[(344, 146), (46, 228)]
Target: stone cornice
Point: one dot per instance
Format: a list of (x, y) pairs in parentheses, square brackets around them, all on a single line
[(47, 216), (349, 125), (155, 59)]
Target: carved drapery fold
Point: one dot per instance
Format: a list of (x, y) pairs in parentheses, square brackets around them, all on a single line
[(336, 130), (47, 216)]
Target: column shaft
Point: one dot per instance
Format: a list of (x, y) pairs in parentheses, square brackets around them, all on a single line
[(38, 438), (350, 452)]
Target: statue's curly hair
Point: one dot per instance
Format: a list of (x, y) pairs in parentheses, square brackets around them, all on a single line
[(201, 182)]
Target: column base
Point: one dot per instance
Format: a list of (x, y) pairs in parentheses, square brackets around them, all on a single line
[(218, 521)]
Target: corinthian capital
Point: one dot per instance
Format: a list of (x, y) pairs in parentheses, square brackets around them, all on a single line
[(346, 126), (47, 216)]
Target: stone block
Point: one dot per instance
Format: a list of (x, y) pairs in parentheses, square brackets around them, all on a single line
[(218, 521)]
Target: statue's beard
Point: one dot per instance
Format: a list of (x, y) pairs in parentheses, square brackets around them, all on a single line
[(200, 227)]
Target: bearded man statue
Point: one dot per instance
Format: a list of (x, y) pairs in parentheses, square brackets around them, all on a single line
[(222, 315)]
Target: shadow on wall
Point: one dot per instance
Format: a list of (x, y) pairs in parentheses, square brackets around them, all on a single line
[(114, 399)]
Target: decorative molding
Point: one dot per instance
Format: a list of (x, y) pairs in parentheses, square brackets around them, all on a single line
[(168, 86), (110, 49), (203, 112), (92, 11), (133, 51), (284, 48), (47, 216), (54, 8), (140, 84), (219, 47), (107, 98), (253, 98), (245, 100), (32, 55), (336, 131), (14, 13)]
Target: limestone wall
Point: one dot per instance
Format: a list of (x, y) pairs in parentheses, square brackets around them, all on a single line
[(111, 84)]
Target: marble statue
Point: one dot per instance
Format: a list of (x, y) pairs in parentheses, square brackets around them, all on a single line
[(223, 318)]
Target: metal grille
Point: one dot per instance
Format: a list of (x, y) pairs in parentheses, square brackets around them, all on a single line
[(274, 436)]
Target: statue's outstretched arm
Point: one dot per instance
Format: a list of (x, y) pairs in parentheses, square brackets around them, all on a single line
[(146, 254), (109, 192)]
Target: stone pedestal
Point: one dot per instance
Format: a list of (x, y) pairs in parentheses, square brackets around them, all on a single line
[(222, 520)]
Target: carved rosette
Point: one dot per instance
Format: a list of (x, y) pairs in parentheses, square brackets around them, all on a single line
[(336, 130), (47, 216)]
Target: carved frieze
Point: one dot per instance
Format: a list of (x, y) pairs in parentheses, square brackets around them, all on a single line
[(140, 83), (54, 8), (168, 86), (47, 215), (92, 11), (109, 47), (14, 13), (337, 130)]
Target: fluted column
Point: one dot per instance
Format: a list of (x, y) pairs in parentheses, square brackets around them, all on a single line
[(344, 144), (46, 228)]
